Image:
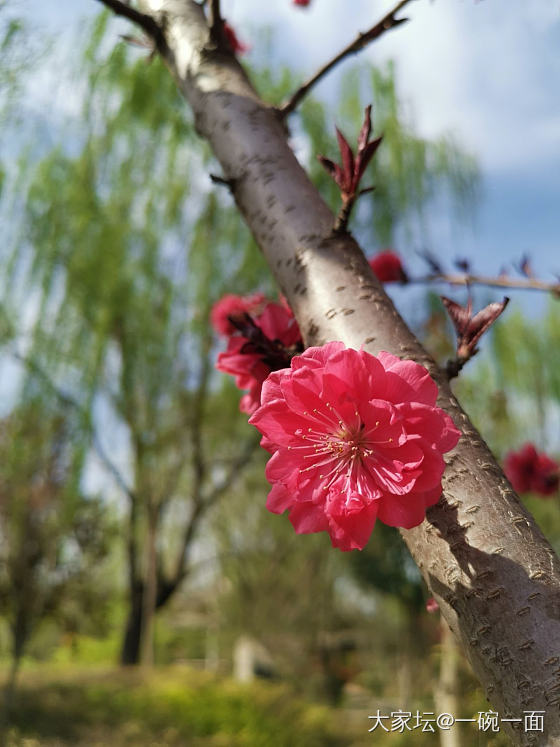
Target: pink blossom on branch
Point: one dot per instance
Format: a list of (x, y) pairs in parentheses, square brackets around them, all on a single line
[(353, 438), (388, 267), (431, 605), (265, 343), (532, 472), (231, 307), (233, 41)]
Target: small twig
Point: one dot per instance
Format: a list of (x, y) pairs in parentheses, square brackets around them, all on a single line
[(143, 20), (489, 281), (349, 172), (469, 329), (215, 19), (387, 23), (222, 181), (341, 224), (454, 367)]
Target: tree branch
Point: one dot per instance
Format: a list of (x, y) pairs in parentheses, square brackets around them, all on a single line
[(146, 22), (489, 281), (201, 507), (250, 447), (215, 19), (387, 23), (67, 399)]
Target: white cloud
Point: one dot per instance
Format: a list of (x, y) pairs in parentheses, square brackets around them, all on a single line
[(487, 70)]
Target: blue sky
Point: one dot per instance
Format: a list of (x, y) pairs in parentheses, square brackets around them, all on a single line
[(487, 71)]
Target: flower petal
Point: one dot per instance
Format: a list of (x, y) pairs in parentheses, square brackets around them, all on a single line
[(408, 381), (351, 522), (308, 518)]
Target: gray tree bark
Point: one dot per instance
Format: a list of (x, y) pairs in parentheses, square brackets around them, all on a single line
[(495, 577)]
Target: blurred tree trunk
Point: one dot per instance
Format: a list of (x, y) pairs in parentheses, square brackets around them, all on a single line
[(130, 651), (149, 598), (20, 636), (495, 577), (404, 664), (446, 700)]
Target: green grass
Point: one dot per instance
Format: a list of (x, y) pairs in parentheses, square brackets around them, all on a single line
[(175, 706)]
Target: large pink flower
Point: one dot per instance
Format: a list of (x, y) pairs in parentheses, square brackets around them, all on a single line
[(268, 345), (353, 438)]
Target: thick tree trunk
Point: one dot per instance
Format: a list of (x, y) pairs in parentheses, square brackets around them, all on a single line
[(149, 596), (130, 650), (495, 577), (21, 630), (132, 640)]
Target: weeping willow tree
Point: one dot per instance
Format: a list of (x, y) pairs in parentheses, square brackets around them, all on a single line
[(122, 307)]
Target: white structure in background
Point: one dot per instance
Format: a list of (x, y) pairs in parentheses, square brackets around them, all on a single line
[(250, 660)]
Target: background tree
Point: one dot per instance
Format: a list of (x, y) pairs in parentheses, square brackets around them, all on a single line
[(123, 310), (54, 538)]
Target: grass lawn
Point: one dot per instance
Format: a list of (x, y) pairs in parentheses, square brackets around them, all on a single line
[(172, 706)]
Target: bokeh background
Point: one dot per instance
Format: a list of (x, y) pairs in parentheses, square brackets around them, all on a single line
[(146, 596)]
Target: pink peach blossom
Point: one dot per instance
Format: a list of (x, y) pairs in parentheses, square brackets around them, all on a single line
[(531, 471), (353, 438), (267, 345), (231, 305), (388, 267), (431, 605)]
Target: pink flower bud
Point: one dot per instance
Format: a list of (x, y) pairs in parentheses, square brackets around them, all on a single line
[(431, 605), (532, 472), (388, 267)]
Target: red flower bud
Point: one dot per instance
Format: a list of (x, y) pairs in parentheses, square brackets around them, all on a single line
[(532, 472), (235, 44), (431, 605), (388, 268)]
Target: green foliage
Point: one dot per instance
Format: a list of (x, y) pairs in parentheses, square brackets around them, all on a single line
[(515, 388), (176, 707), (54, 539), (385, 564), (123, 303), (13, 61), (528, 360)]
